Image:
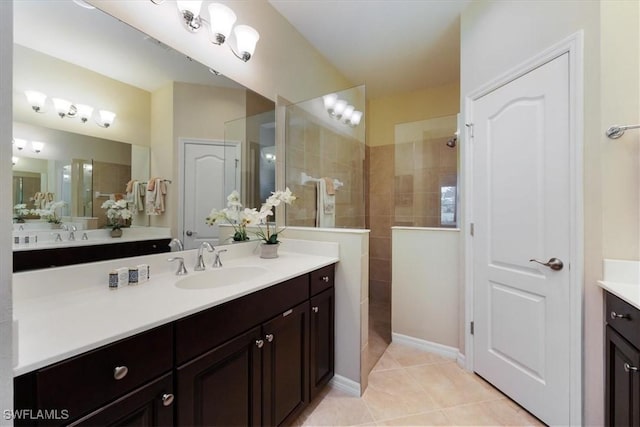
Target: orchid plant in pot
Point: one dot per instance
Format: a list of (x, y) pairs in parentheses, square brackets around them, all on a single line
[(235, 215), (20, 211), (118, 214), (50, 213), (269, 235)]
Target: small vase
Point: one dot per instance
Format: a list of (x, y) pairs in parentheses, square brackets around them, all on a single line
[(269, 251), (116, 232)]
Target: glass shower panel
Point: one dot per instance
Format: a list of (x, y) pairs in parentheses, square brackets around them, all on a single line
[(425, 187), (325, 141)]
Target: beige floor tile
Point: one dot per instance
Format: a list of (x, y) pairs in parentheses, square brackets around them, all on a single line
[(335, 408), (386, 362), (394, 393), (495, 413), (449, 385), (410, 356), (434, 418)]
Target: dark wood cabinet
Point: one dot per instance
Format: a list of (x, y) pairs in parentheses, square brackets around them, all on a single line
[(147, 406), (223, 386), (255, 360), (622, 363), (322, 346), (57, 257)]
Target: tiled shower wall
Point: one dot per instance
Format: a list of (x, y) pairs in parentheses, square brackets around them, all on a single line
[(319, 151), (108, 178)]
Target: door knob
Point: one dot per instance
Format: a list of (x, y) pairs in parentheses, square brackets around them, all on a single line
[(553, 263), (189, 233)]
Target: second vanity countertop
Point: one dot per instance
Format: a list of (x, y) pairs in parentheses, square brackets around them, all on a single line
[(622, 279), (66, 311)]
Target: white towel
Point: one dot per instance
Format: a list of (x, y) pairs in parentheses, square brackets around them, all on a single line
[(136, 195), (326, 207), (155, 197)]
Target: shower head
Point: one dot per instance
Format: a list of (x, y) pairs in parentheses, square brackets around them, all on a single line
[(452, 142)]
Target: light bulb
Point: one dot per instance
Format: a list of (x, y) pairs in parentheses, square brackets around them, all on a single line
[(36, 99), (20, 143), (106, 118), (85, 112), (339, 108), (246, 38), (221, 20), (37, 146)]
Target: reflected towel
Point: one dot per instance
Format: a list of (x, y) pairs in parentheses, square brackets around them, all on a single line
[(331, 190), (156, 191), (326, 206)]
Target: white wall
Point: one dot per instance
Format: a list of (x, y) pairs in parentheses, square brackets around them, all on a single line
[(6, 117), (352, 300), (497, 36), (425, 284)]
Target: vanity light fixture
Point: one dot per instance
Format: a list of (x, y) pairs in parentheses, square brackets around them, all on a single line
[(221, 23), (339, 109), (65, 108), (106, 118), (37, 146), (20, 143), (36, 100)]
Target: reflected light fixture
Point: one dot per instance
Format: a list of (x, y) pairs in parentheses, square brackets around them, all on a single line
[(19, 143), (64, 108), (190, 10), (106, 118), (14, 160), (221, 22), (84, 112), (36, 100), (339, 109), (37, 146)]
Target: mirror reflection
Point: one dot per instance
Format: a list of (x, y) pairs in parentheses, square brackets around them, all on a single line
[(158, 97)]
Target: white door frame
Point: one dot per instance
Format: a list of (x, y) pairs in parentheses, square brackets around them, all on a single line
[(573, 45), (181, 143)]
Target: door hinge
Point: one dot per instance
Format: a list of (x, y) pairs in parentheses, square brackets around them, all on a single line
[(471, 328), (472, 228), (470, 126)]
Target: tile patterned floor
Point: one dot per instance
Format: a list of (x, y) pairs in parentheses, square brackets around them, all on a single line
[(410, 387)]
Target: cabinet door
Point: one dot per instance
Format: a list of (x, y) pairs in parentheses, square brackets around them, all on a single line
[(150, 405), (623, 381), (285, 375), (222, 387), (321, 361)]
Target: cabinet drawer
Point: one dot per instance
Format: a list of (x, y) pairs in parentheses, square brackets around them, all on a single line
[(624, 318), (86, 382), (322, 279), (203, 331)]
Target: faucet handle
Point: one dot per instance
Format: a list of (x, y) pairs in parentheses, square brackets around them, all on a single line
[(84, 236), (182, 270), (58, 237), (217, 262)]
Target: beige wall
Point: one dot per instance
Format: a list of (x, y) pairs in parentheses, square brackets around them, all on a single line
[(77, 84), (498, 35), (162, 149)]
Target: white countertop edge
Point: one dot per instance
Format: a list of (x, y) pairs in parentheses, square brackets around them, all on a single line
[(628, 292), (331, 230), (402, 227), (133, 328)]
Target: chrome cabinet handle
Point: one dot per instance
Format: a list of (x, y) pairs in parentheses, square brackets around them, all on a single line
[(315, 309), (629, 368), (120, 372), (553, 263), (269, 337), (615, 315), (325, 279), (167, 399), (259, 343)]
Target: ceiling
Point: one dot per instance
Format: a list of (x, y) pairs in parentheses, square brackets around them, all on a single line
[(392, 46)]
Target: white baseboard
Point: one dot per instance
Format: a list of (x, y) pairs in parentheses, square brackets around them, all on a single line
[(432, 347), (462, 360), (346, 385)]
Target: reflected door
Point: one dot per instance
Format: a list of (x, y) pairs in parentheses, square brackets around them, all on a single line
[(211, 172), (521, 205)]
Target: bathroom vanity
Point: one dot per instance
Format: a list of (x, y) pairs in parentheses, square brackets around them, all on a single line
[(254, 353), (622, 342)]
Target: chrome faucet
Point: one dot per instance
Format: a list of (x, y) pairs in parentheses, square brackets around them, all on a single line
[(84, 236), (217, 263), (182, 270), (72, 229), (58, 237), (176, 245), (200, 261)]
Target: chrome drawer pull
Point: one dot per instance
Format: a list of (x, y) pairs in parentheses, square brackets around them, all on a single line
[(325, 279), (259, 343), (269, 337), (315, 309), (615, 315), (167, 399), (629, 368), (120, 372)]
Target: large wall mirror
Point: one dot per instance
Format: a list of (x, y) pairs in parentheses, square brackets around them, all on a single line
[(156, 93)]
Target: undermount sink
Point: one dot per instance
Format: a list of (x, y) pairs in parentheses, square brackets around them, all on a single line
[(225, 276)]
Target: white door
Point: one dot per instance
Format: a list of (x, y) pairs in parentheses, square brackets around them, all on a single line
[(521, 211), (211, 172)]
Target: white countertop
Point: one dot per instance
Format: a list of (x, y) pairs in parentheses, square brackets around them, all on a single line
[(66, 311), (622, 279)]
